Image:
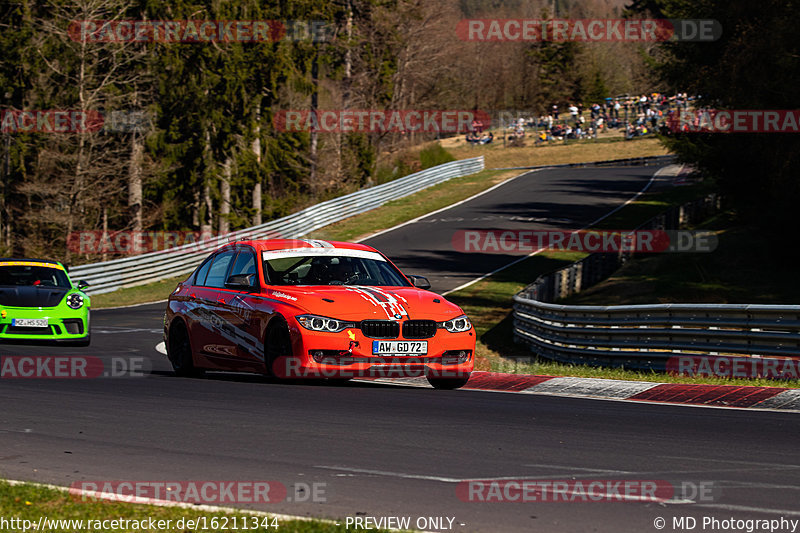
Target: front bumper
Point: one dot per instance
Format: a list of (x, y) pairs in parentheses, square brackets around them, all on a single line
[(63, 326), (349, 354)]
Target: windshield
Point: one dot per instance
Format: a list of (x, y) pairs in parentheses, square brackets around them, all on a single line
[(33, 276), (313, 269)]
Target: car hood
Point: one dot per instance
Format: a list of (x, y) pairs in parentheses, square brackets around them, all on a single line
[(365, 303), (26, 296)]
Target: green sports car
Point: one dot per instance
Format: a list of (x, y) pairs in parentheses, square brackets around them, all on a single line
[(40, 304)]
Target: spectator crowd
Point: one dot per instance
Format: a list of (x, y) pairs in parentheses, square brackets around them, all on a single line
[(634, 115)]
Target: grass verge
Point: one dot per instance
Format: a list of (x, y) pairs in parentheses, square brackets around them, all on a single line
[(736, 272), (495, 156), (31, 502)]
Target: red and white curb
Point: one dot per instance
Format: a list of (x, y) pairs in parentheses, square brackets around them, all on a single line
[(733, 396)]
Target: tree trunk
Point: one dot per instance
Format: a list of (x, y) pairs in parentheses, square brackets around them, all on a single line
[(314, 122), (347, 82), (135, 178), (225, 202), (208, 220), (196, 210), (208, 206), (105, 232), (77, 186), (257, 205), (135, 181), (4, 222), (348, 57)]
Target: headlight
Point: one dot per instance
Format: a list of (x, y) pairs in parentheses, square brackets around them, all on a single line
[(75, 300), (456, 325), (323, 323)]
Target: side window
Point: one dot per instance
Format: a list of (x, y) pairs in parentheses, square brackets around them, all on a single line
[(216, 274), (200, 277), (245, 264)]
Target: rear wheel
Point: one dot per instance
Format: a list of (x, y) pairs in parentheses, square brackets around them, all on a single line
[(448, 383), (278, 345), (179, 351)]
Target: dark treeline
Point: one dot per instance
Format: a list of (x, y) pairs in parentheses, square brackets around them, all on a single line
[(189, 141), (755, 65)]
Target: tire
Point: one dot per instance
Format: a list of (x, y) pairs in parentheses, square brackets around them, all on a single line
[(277, 344), (179, 351), (448, 383)]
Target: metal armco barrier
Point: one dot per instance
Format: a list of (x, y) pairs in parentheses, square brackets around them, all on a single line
[(109, 276), (646, 336), (628, 161)]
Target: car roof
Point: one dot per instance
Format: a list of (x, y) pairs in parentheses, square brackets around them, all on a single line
[(28, 260), (293, 244)]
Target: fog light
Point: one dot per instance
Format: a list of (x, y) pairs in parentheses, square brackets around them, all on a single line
[(455, 357), (318, 355)]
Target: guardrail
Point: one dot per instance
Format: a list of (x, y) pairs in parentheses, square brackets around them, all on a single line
[(627, 161), (146, 268), (646, 336)]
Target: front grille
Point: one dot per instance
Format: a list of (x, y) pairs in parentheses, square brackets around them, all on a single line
[(24, 330), (380, 329), (419, 329)]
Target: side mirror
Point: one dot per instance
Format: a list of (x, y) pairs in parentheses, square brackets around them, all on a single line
[(82, 284), (241, 282), (420, 282)]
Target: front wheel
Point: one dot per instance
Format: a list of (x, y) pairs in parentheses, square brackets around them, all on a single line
[(448, 383), (278, 347)]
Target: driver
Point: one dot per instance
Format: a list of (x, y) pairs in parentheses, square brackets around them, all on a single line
[(339, 271), (331, 271)]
